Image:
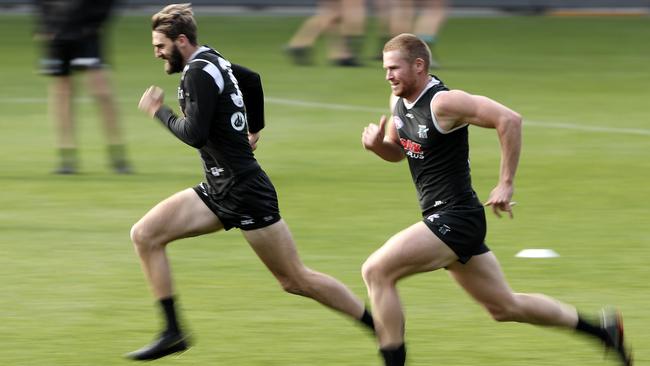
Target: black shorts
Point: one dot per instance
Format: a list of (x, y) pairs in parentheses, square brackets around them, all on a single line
[(62, 56), (249, 205), (461, 227)]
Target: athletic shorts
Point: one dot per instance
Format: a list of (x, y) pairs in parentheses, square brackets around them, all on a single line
[(249, 205), (461, 227), (63, 56)]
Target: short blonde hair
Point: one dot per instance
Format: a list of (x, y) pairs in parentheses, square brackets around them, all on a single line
[(174, 20), (411, 48)]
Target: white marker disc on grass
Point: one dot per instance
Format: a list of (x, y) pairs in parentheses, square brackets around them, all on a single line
[(537, 253)]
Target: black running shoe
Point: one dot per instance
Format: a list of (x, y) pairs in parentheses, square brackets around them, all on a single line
[(612, 322), (166, 344)]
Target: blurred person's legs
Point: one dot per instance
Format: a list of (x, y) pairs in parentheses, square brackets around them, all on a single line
[(60, 106), (100, 87), (300, 47), (431, 16), (394, 17), (352, 30), (89, 59), (62, 57)]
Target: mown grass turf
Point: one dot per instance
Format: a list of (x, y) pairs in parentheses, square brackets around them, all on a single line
[(72, 290)]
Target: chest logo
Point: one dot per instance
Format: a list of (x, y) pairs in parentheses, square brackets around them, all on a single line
[(237, 99), (238, 121), (398, 122), (422, 131)]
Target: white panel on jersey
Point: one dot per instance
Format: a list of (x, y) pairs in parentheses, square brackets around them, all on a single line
[(435, 122), (213, 71)]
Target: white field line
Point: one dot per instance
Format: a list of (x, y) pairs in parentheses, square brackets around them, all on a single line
[(357, 108)]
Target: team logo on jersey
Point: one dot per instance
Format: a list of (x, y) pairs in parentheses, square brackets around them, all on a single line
[(412, 148), (398, 122), (237, 99), (422, 131), (238, 121)]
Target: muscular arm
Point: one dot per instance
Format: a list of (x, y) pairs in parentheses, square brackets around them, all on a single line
[(193, 129), (453, 108)]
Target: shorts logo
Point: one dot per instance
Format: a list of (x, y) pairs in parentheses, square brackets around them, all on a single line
[(444, 229), (267, 218), (238, 121), (433, 217), (247, 222)]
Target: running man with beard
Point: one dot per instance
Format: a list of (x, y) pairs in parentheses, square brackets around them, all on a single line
[(429, 127), (236, 191)]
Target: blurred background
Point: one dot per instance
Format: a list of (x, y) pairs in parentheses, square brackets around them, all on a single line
[(71, 285)]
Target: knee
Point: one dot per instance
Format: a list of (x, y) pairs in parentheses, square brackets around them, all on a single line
[(143, 238), (502, 312), (372, 273), (294, 285)]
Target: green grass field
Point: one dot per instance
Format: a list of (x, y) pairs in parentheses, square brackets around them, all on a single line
[(71, 289)]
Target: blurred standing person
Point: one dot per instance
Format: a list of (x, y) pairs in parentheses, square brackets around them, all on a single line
[(345, 19), (424, 18), (72, 33), (215, 96), (429, 128)]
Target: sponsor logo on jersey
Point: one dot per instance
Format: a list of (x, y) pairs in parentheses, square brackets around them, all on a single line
[(398, 122), (238, 121), (422, 131), (412, 148)]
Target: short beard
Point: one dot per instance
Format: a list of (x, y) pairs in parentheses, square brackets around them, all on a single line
[(175, 61)]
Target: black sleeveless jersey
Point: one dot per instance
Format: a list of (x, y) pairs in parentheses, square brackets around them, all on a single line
[(438, 160), (215, 120)]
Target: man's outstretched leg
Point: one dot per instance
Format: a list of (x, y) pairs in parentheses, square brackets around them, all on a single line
[(483, 279), (179, 216), (274, 245)]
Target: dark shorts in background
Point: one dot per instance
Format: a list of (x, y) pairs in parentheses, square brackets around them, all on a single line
[(461, 227), (249, 205), (63, 56)]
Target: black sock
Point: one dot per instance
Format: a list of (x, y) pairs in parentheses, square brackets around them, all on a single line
[(394, 356), (167, 305), (366, 319), (591, 329)]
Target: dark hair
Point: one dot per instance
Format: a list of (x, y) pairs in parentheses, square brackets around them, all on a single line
[(174, 20)]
